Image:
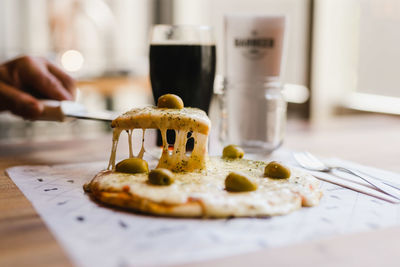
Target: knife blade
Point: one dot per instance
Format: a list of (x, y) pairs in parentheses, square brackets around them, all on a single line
[(62, 110)]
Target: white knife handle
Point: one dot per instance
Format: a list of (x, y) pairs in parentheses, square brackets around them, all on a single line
[(52, 111)]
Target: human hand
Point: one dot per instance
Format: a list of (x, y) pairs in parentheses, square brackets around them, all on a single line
[(26, 79)]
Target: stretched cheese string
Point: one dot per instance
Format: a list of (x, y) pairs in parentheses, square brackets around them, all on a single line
[(141, 153), (164, 140), (180, 145), (130, 142), (199, 150), (111, 163), (177, 160)]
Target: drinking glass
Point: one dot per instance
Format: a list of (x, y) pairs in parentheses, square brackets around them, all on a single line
[(182, 62)]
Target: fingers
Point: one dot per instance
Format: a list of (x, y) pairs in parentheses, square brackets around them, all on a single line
[(34, 75), (49, 86), (65, 79), (19, 103), (23, 78)]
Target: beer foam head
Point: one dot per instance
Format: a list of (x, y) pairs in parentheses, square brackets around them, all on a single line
[(182, 35)]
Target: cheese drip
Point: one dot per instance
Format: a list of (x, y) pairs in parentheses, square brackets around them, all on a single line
[(177, 160), (130, 143), (111, 163), (141, 152), (116, 134)]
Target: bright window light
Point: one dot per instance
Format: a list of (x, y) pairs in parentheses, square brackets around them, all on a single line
[(72, 60)]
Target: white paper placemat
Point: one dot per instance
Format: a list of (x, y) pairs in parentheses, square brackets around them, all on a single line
[(94, 235)]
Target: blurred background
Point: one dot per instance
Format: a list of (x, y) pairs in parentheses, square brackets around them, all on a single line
[(341, 55)]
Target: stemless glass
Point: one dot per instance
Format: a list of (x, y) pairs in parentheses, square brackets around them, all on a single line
[(182, 62)]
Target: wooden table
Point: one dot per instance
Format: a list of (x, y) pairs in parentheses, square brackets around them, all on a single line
[(367, 139)]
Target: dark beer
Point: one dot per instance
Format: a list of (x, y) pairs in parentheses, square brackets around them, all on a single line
[(185, 70)]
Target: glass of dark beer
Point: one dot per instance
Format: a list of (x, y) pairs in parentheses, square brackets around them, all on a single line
[(182, 62)]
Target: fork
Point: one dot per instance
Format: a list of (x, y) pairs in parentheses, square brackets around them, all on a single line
[(310, 162)]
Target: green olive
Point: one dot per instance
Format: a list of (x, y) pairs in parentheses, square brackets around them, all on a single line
[(276, 170), (232, 152), (132, 165), (87, 188), (170, 101), (238, 182), (161, 176)]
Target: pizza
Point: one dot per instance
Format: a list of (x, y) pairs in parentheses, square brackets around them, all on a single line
[(191, 183)]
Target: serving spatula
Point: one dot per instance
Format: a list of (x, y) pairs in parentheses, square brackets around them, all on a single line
[(62, 110)]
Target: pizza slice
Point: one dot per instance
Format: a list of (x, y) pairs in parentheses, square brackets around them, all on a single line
[(185, 121)]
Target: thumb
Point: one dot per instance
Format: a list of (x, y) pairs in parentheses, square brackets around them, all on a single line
[(19, 103)]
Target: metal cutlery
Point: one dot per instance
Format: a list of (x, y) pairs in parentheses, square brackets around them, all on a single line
[(310, 162), (61, 110)]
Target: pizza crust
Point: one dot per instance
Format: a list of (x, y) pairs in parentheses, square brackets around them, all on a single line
[(130, 201), (119, 198)]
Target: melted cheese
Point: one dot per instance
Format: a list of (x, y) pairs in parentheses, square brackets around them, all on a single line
[(183, 121), (273, 196), (188, 119), (197, 177)]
